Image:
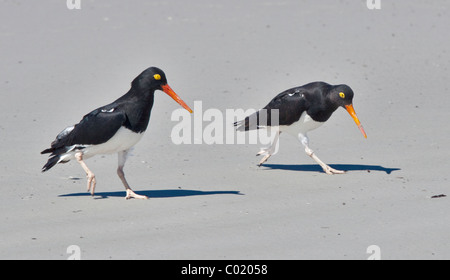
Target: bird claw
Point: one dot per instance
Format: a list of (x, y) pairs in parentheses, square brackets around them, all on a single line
[(332, 171), (131, 194), (264, 159), (267, 154), (262, 152), (91, 183)]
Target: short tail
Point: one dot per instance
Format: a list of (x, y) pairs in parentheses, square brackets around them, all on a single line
[(240, 126), (51, 162), (262, 119), (47, 151), (249, 123)]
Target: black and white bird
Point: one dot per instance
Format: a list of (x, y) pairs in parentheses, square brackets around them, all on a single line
[(113, 128), (299, 110)]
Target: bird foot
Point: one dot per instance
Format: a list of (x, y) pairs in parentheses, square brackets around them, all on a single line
[(267, 154), (132, 194), (91, 182), (332, 171)]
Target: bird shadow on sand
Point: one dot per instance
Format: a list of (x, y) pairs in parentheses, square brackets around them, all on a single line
[(170, 193), (317, 168)]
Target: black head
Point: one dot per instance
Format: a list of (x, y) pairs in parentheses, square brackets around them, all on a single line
[(150, 80), (153, 79), (342, 95)]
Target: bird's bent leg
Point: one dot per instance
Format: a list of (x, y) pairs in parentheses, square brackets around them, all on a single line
[(130, 193), (330, 171), (91, 182), (268, 152)]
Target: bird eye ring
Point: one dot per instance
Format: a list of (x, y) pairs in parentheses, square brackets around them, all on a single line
[(157, 77), (342, 95)]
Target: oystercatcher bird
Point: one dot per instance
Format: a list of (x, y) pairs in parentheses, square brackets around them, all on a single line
[(299, 110), (113, 128)]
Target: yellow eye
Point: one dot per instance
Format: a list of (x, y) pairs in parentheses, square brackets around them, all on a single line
[(342, 95), (157, 77)]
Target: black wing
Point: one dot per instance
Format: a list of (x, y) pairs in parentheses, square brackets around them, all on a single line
[(95, 128), (290, 105)]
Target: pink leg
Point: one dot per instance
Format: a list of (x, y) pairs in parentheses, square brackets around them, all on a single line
[(91, 182), (130, 192)]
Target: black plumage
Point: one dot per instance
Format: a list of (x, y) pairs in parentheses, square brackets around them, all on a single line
[(318, 99), (299, 110), (113, 128)]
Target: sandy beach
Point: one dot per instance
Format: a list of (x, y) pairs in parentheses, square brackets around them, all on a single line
[(213, 201)]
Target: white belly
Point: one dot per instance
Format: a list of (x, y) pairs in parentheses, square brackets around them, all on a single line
[(123, 140), (302, 126)]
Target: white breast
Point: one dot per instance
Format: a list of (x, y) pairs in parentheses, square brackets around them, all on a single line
[(303, 125), (123, 140)]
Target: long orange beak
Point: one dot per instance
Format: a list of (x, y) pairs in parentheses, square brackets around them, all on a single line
[(175, 97), (352, 113)]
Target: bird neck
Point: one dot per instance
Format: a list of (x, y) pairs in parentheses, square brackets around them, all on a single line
[(138, 106), (323, 113)]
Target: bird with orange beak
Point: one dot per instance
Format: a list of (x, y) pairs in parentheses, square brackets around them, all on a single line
[(299, 110), (113, 128)]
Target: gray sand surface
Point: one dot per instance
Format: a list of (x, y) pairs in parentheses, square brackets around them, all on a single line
[(212, 201)]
